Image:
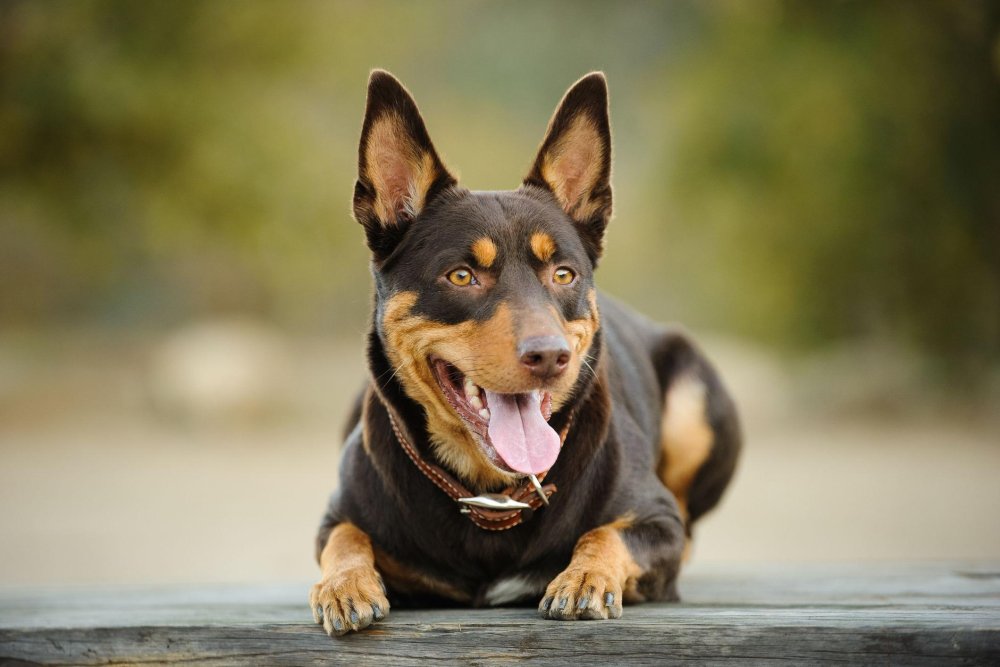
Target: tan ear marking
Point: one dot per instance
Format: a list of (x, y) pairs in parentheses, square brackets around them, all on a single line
[(543, 246), (485, 252), (572, 168), (400, 172)]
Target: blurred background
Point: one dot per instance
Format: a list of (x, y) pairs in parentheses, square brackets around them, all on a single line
[(811, 188)]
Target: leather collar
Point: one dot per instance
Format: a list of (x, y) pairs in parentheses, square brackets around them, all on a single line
[(486, 519)]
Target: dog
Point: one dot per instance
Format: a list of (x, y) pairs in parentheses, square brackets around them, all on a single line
[(522, 438)]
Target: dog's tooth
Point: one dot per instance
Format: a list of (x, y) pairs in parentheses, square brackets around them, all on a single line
[(476, 402), (485, 414), (470, 388)]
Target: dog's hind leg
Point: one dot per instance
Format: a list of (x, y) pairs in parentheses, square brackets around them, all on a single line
[(700, 435)]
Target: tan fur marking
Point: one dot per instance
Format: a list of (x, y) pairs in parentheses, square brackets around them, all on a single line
[(603, 550), (485, 251), (573, 165), (601, 563), (582, 331), (349, 581), (486, 352), (543, 246), (347, 548), (686, 438), (400, 172), (404, 579)]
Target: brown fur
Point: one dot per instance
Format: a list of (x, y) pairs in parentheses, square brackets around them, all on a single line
[(572, 168), (485, 252), (350, 592), (602, 564), (686, 438), (543, 246), (486, 352), (400, 173), (582, 331)]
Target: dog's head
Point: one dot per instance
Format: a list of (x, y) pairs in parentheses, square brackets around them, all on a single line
[(485, 302)]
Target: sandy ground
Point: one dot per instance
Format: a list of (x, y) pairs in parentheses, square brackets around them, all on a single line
[(98, 487)]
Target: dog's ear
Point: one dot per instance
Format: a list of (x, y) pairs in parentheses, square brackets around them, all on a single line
[(399, 172), (574, 161)]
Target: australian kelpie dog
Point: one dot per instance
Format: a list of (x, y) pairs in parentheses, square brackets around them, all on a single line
[(522, 437)]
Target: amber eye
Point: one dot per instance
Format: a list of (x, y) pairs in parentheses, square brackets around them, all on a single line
[(461, 278), (563, 276)]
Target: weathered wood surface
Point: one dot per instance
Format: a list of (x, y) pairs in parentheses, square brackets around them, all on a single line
[(885, 614)]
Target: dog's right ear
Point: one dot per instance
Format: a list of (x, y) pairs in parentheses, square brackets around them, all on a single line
[(399, 172)]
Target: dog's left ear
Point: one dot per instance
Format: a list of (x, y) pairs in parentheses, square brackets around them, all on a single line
[(399, 172), (574, 161)]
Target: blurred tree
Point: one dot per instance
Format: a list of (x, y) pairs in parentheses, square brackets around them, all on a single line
[(153, 162), (794, 171), (840, 164)]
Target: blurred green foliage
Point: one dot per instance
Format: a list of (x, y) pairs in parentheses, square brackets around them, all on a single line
[(796, 172)]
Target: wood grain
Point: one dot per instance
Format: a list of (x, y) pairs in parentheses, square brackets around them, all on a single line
[(902, 614)]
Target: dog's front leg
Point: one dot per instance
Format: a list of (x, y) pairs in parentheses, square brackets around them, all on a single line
[(350, 594), (604, 571)]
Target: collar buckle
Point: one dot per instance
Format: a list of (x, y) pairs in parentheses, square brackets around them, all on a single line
[(493, 501)]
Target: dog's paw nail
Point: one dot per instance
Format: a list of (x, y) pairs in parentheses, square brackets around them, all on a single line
[(338, 625), (609, 599), (354, 617), (562, 603), (377, 611), (318, 614), (583, 603), (547, 603)]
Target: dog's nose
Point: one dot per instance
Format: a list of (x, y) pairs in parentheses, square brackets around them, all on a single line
[(545, 356)]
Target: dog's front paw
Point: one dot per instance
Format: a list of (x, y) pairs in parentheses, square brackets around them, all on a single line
[(579, 594), (349, 600)]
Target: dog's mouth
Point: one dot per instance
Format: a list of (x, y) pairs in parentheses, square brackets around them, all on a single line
[(512, 429)]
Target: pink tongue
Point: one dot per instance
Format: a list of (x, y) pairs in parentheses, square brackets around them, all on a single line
[(520, 433)]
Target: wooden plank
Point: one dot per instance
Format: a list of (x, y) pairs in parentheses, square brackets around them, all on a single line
[(912, 614)]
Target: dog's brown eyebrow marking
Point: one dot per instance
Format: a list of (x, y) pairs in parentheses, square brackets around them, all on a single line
[(543, 246), (485, 251)]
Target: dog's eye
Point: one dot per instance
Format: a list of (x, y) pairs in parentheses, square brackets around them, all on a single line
[(563, 276), (461, 278)]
